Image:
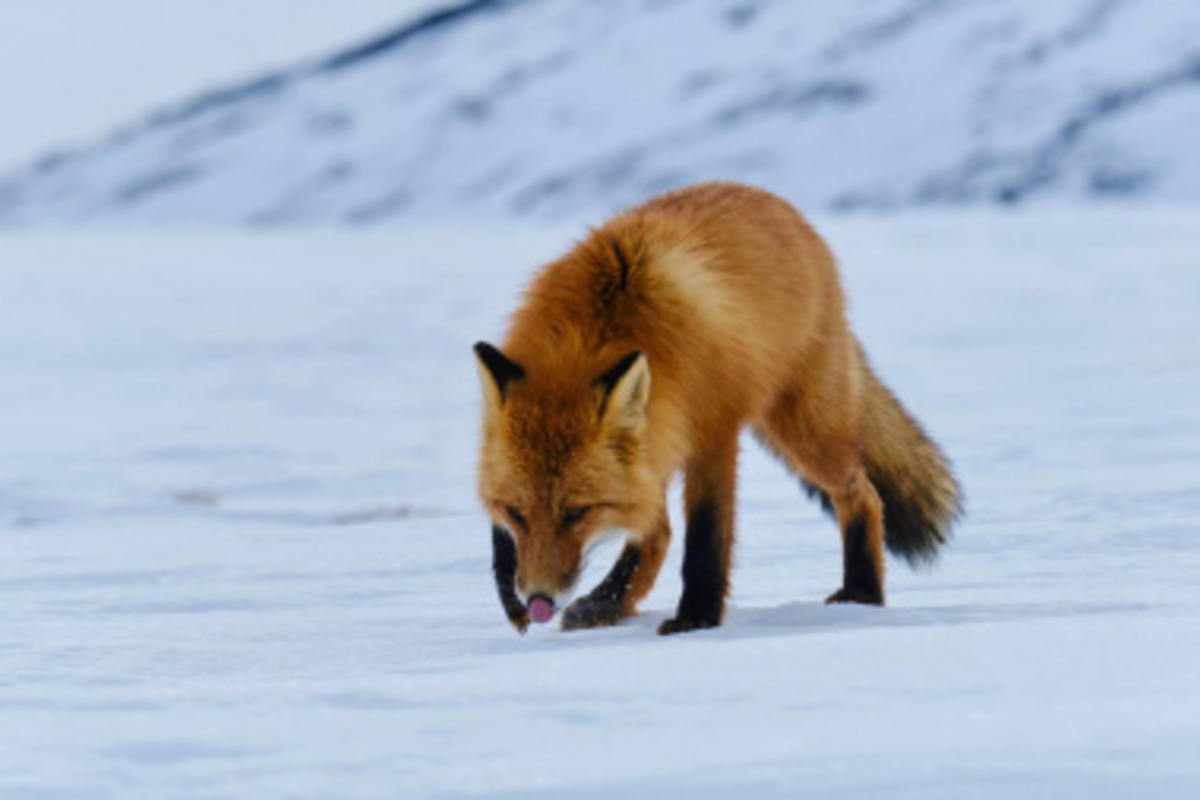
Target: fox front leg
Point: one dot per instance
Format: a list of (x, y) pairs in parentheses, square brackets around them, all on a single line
[(630, 580), (605, 605), (709, 500), (504, 567)]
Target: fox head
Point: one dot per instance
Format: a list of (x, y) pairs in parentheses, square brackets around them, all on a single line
[(563, 463)]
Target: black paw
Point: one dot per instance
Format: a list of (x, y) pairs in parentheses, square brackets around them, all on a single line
[(863, 596), (682, 625), (587, 612), (520, 622)]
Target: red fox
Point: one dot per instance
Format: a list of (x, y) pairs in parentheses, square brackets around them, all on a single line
[(642, 353)]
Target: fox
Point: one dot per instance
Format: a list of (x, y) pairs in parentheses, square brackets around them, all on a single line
[(641, 355)]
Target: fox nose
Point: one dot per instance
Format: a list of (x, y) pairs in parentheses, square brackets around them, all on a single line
[(541, 608)]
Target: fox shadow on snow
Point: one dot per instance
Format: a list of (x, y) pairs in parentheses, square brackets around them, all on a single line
[(793, 618)]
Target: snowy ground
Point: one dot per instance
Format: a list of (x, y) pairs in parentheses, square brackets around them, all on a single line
[(241, 555)]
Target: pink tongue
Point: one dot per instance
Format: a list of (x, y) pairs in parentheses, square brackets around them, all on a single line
[(540, 609)]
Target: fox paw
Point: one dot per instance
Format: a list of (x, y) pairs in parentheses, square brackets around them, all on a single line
[(521, 623), (845, 595), (681, 625), (587, 612)]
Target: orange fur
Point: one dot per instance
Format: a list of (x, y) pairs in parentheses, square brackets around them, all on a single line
[(734, 303)]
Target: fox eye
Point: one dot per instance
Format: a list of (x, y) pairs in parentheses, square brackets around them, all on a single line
[(516, 516), (573, 515)]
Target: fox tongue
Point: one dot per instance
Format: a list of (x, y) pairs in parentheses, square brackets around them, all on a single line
[(540, 609)]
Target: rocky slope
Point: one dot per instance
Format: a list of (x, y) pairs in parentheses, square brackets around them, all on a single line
[(554, 109)]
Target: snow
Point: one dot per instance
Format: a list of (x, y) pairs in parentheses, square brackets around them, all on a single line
[(242, 556), (84, 66), (552, 110)]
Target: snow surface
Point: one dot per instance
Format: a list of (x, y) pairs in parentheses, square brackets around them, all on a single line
[(552, 109), (242, 556)]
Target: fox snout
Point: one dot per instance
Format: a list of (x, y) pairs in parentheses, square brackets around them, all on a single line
[(541, 608), (545, 595), (521, 579)]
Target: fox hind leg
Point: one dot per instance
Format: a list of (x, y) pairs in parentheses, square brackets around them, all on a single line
[(860, 518), (829, 464)]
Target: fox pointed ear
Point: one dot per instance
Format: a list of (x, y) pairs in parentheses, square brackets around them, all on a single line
[(496, 372), (625, 391)]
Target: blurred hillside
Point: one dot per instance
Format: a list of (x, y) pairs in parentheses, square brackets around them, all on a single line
[(72, 70), (553, 109)]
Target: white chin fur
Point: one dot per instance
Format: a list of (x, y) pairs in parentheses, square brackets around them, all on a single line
[(600, 537), (563, 599)]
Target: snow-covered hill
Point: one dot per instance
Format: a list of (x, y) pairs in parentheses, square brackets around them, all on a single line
[(552, 108), (69, 72)]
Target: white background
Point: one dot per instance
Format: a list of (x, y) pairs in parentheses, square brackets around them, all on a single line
[(71, 69)]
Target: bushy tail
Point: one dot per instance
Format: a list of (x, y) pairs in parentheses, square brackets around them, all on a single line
[(921, 497)]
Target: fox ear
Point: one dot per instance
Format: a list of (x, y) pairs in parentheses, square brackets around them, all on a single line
[(625, 391), (496, 372)]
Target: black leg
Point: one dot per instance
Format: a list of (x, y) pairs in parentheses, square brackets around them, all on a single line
[(605, 605), (504, 567), (705, 573), (860, 578)]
